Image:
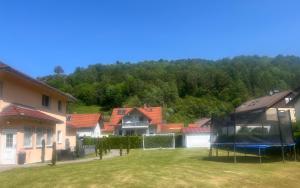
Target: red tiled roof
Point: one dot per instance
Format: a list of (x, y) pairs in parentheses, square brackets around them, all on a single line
[(83, 120), (107, 128), (21, 111), (153, 113), (171, 127), (193, 125), (195, 130)]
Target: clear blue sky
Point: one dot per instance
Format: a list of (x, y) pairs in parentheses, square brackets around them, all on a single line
[(37, 35)]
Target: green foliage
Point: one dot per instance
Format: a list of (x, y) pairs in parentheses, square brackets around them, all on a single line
[(188, 88), (158, 141), (121, 149), (54, 154), (128, 145), (43, 151)]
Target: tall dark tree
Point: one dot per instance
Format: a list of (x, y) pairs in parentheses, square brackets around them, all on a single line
[(58, 70)]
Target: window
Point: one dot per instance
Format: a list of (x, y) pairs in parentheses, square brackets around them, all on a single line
[(1, 89), (49, 137), (9, 140), (68, 118), (59, 106), (59, 137), (287, 100), (39, 137), (27, 137), (46, 101)]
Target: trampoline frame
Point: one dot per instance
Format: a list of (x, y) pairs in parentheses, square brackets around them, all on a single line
[(259, 146)]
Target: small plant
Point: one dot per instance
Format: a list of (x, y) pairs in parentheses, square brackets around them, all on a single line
[(54, 155), (128, 145), (100, 149), (121, 149), (43, 151), (108, 144), (96, 147), (104, 145)]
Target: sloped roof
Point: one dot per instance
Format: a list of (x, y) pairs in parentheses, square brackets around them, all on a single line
[(4, 67), (83, 120), (107, 128), (153, 113), (22, 111), (262, 102), (195, 130), (171, 127), (200, 123)]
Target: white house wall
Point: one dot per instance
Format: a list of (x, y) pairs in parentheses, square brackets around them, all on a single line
[(197, 140), (90, 132)]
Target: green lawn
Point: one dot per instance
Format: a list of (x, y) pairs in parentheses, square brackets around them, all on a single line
[(158, 168)]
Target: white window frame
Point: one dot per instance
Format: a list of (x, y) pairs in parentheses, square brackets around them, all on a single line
[(49, 142), (59, 137), (31, 135), (39, 144)]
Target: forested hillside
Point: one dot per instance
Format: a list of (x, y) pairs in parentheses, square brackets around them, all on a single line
[(188, 88)]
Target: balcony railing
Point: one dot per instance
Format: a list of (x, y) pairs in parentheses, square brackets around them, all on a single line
[(139, 124)]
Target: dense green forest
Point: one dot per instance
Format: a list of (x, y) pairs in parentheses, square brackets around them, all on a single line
[(187, 88)]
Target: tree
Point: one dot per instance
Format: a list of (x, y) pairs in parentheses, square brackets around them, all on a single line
[(188, 88), (58, 70)]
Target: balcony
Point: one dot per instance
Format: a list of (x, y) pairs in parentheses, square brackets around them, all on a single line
[(135, 125)]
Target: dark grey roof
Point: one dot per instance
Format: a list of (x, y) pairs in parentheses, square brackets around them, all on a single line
[(262, 102)]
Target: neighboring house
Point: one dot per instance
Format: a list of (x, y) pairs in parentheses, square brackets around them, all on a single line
[(136, 121), (196, 137), (107, 129), (171, 128), (197, 134), (89, 125), (30, 112), (203, 122), (281, 101)]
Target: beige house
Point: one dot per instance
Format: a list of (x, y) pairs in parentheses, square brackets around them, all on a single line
[(31, 111)]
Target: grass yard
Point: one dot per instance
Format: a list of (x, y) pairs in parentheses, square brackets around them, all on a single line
[(158, 168)]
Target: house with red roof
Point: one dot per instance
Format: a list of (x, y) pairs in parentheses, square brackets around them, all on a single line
[(196, 137), (170, 128), (136, 121), (31, 113), (86, 125), (197, 134)]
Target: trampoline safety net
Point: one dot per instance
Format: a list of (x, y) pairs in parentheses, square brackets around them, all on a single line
[(264, 127)]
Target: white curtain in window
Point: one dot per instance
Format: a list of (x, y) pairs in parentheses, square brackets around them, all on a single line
[(27, 137), (39, 136)]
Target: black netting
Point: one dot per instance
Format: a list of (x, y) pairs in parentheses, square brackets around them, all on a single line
[(271, 127)]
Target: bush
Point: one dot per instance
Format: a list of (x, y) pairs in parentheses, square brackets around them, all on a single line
[(133, 142), (54, 155), (89, 141)]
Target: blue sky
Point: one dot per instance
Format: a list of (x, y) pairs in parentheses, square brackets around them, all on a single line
[(37, 35)]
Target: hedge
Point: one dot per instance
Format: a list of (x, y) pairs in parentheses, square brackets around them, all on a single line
[(135, 141)]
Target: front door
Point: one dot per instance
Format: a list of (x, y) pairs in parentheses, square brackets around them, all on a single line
[(8, 140)]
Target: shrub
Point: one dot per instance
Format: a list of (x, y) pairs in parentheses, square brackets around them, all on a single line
[(121, 149), (54, 156), (132, 142), (43, 151)]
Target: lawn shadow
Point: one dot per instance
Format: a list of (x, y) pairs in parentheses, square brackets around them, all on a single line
[(241, 159)]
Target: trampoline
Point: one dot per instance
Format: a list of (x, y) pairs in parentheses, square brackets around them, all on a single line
[(253, 132)]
